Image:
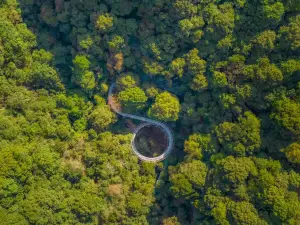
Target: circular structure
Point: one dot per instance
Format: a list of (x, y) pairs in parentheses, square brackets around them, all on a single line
[(151, 159), (162, 126), (150, 141)]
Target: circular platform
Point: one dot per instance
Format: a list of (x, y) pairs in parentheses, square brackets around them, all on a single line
[(162, 156)]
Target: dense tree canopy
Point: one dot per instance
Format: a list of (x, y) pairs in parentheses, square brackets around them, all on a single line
[(223, 75)]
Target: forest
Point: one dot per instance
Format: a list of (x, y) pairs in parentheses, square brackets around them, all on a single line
[(224, 75)]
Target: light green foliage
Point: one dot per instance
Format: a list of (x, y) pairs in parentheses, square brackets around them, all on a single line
[(137, 204), (274, 11), (42, 56), (155, 50), (80, 125), (226, 43), (126, 80), (244, 91), (177, 67), (240, 3), (219, 19), (170, 221), (87, 81), (198, 144), (237, 170), (103, 88), (219, 79), (152, 92), (166, 107), (101, 117), (292, 153), (264, 71), (44, 76), (195, 64), (160, 48), (219, 214), (185, 8), (199, 83), (116, 43), (245, 213), (187, 177), (81, 62), (153, 68), (8, 218), (233, 70), (133, 98), (291, 32), (285, 205), (242, 137), (81, 74), (287, 113), (192, 27), (227, 100), (290, 66), (86, 43), (266, 39), (104, 22)]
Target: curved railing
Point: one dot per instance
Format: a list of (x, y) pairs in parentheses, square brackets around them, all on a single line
[(147, 121)]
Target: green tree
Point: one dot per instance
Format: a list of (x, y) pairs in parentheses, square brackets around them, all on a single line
[(87, 81), (166, 107), (236, 170), (187, 178), (81, 74), (290, 66), (199, 83), (263, 71), (184, 8), (292, 152), (125, 81), (133, 98), (219, 19), (192, 27), (170, 221), (219, 79), (245, 213), (242, 137), (199, 144), (177, 66), (101, 117), (286, 112), (266, 39), (104, 22), (116, 43), (290, 33), (195, 64), (274, 11), (227, 100)]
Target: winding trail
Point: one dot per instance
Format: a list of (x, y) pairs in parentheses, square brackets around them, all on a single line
[(165, 128)]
